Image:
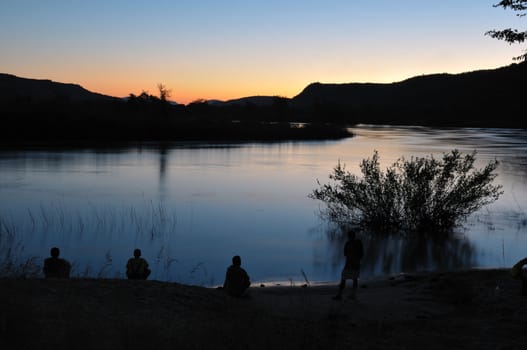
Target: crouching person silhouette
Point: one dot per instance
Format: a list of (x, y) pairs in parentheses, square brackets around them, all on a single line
[(236, 279), (55, 267), (137, 267), (518, 272)]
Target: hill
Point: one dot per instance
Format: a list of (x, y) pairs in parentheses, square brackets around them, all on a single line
[(45, 112), (257, 101), (493, 97), (16, 88)]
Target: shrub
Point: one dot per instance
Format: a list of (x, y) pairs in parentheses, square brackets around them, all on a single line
[(419, 195)]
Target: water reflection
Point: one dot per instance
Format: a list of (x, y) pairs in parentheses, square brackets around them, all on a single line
[(390, 254), (163, 162)]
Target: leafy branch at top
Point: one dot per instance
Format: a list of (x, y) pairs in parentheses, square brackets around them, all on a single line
[(512, 35), (420, 195)]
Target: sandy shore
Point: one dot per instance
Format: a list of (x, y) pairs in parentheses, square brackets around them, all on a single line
[(479, 309)]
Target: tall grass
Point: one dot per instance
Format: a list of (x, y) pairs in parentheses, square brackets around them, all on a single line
[(56, 222), (13, 262)]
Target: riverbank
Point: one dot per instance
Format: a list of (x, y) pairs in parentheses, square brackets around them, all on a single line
[(477, 309)]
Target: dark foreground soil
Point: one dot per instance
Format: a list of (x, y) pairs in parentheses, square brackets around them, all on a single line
[(479, 309)]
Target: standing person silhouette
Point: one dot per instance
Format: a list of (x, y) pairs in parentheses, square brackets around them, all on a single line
[(353, 251), (55, 267), (137, 267), (236, 279)]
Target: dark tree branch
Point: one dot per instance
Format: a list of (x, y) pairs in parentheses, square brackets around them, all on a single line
[(511, 35)]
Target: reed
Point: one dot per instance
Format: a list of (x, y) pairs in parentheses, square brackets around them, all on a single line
[(13, 260), (55, 222)]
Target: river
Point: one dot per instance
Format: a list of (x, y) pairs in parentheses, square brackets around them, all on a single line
[(191, 207)]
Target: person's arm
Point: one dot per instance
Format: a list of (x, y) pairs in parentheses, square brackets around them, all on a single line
[(346, 249), (516, 270), (247, 281), (521, 262), (361, 250), (66, 267), (66, 264), (145, 263), (226, 282)]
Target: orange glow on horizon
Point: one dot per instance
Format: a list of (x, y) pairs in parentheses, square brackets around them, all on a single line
[(286, 80), (186, 96), (226, 51), (215, 91)]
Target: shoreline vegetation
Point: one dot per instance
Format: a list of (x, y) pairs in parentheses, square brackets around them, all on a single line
[(469, 309), (167, 136), (46, 112)]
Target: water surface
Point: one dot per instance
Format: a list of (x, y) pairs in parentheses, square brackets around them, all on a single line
[(190, 207)]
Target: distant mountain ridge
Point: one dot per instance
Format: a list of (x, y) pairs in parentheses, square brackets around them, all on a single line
[(259, 101), (478, 98), (431, 85), (491, 97), (13, 87)]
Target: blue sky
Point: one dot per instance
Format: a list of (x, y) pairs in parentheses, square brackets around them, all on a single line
[(229, 49)]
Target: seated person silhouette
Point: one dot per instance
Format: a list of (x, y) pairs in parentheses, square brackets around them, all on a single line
[(236, 279), (518, 272), (55, 267), (137, 267)]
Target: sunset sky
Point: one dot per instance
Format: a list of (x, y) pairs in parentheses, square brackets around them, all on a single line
[(228, 49)]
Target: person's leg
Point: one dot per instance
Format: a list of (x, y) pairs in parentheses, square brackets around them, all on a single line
[(341, 288), (354, 288)]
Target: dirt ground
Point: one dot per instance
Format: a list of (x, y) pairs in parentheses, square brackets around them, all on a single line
[(477, 309)]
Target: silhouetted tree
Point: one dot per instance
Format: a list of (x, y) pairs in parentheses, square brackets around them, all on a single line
[(512, 35), (144, 98), (419, 195), (164, 93)]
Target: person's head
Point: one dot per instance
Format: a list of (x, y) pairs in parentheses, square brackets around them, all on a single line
[(351, 234), (137, 253), (236, 260), (55, 252)]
